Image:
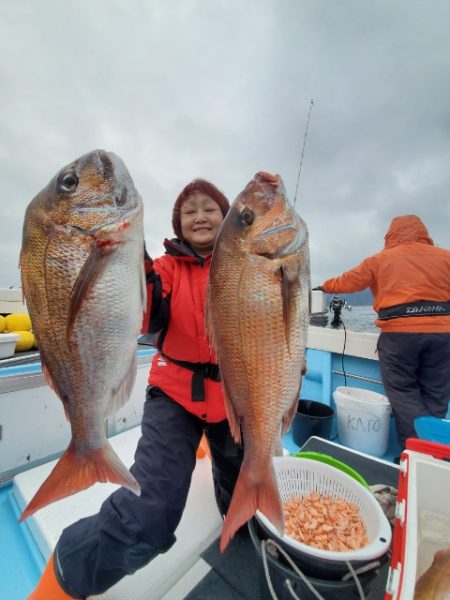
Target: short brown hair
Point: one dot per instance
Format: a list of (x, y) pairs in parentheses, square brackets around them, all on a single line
[(195, 186)]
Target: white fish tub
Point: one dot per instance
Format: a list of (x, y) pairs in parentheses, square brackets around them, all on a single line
[(8, 344), (11, 301)]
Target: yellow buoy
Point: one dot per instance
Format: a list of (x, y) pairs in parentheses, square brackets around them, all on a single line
[(18, 322), (25, 342), (2, 323), (35, 345)]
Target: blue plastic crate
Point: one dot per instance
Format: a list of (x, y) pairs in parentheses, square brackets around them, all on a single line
[(433, 429)]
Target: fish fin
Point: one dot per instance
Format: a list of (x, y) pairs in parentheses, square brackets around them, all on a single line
[(209, 328), (74, 473), (143, 286), (21, 276), (120, 396), (285, 286), (234, 420), (288, 416), (249, 496), (278, 446), (288, 280), (46, 373), (88, 275), (50, 382)]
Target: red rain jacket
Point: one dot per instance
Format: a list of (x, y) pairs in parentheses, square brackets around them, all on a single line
[(409, 269), (179, 290)]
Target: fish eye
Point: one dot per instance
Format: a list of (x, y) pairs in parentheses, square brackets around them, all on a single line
[(67, 183), (248, 216)]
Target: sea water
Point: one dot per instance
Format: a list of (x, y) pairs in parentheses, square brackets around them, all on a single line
[(360, 318)]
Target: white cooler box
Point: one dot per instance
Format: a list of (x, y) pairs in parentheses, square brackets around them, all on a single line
[(422, 524)]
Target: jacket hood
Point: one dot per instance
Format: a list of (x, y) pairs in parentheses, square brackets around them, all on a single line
[(404, 229)]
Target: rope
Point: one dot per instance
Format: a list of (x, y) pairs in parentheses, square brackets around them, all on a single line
[(294, 567), (355, 577), (361, 570), (272, 546), (266, 570)]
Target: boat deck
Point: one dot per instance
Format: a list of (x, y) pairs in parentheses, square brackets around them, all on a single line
[(237, 574), (192, 569)]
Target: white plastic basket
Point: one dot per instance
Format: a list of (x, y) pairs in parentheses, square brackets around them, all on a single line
[(8, 344), (302, 476)]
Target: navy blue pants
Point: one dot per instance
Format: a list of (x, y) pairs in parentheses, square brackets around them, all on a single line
[(415, 368), (129, 531)]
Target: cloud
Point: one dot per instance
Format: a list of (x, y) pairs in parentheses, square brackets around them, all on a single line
[(221, 90)]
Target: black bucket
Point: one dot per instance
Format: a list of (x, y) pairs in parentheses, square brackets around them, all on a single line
[(312, 418), (284, 579)]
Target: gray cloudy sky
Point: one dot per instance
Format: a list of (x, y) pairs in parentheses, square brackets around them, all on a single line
[(221, 89)]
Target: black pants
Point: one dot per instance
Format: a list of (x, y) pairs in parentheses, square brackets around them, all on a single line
[(129, 531), (415, 368)]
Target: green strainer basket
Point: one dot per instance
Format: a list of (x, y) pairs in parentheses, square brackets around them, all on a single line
[(333, 462)]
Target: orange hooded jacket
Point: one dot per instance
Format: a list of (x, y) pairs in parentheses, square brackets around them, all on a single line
[(409, 269)]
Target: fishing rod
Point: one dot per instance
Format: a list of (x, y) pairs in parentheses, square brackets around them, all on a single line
[(311, 104)]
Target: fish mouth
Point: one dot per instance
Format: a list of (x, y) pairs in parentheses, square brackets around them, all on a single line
[(118, 204), (113, 171), (116, 213), (291, 247), (265, 177), (111, 196), (279, 229)]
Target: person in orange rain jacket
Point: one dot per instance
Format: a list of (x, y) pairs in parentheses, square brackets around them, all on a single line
[(184, 401), (410, 283)]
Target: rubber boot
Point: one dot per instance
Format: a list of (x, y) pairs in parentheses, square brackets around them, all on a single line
[(48, 587), (203, 449)]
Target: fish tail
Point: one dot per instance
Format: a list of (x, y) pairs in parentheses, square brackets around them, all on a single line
[(75, 472), (249, 496)]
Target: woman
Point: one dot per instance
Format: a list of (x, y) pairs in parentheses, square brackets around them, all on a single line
[(184, 400)]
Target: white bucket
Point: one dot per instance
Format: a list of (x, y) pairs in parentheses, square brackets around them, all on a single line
[(363, 419)]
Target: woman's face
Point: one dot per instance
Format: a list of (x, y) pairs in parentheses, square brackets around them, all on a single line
[(201, 219)]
